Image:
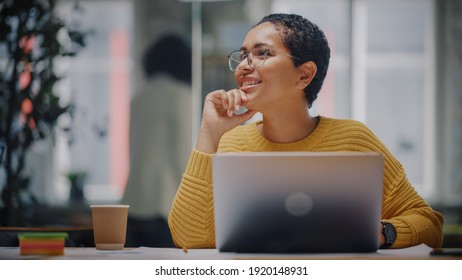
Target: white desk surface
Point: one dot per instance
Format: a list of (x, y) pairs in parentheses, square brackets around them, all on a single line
[(147, 253)]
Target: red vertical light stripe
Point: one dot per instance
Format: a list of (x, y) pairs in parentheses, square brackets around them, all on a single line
[(326, 96), (119, 102)]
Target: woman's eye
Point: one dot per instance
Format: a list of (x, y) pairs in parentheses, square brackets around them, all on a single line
[(244, 55), (262, 52)]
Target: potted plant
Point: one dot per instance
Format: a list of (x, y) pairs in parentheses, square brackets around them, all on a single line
[(32, 36)]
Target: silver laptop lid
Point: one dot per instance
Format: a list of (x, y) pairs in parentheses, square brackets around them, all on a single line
[(297, 201)]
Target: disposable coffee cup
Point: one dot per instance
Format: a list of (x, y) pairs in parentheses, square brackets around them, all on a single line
[(109, 226)]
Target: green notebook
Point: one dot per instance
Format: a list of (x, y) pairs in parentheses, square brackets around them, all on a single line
[(42, 235)]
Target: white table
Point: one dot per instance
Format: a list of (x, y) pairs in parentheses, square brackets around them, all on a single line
[(146, 253)]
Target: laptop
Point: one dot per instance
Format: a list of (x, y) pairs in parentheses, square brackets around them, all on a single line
[(297, 202)]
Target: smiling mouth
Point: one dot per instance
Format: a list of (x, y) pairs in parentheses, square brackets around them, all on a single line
[(247, 85), (250, 83)]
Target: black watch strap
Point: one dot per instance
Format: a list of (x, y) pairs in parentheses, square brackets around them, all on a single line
[(389, 232)]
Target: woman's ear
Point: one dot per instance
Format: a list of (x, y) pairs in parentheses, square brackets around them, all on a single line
[(307, 73)]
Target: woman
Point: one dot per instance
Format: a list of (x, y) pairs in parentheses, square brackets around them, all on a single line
[(279, 71)]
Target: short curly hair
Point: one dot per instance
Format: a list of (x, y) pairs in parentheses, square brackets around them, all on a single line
[(305, 40)]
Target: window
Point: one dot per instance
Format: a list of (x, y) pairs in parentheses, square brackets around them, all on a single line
[(99, 84), (381, 73)]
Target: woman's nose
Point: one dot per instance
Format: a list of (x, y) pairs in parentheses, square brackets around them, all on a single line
[(244, 65)]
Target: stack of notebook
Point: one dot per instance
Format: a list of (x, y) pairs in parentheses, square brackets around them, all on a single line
[(42, 243)]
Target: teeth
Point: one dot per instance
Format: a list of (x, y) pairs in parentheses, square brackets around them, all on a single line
[(249, 83)]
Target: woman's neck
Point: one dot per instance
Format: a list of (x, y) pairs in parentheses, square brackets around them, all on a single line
[(288, 128)]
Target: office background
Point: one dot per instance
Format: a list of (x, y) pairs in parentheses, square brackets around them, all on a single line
[(395, 65)]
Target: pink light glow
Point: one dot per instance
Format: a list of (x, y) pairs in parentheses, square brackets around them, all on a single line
[(119, 110), (326, 98)]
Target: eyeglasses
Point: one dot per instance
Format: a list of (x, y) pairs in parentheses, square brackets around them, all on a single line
[(256, 57)]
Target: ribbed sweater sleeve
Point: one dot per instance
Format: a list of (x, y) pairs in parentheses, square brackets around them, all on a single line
[(191, 218)]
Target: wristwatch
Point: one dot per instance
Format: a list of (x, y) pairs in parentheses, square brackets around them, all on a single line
[(389, 232)]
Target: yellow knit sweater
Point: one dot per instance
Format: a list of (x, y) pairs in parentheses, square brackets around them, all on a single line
[(191, 217)]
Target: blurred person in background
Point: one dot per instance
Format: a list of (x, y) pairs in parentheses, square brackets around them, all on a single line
[(160, 133)]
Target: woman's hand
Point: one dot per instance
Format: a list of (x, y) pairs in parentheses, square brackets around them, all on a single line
[(218, 117)]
